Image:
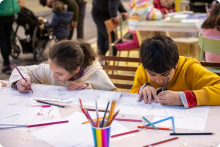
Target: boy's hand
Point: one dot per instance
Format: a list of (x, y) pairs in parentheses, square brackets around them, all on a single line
[(170, 98), (76, 86), (124, 16), (23, 86), (148, 92), (116, 19)]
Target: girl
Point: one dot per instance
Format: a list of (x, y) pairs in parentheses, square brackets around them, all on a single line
[(71, 63), (211, 29)]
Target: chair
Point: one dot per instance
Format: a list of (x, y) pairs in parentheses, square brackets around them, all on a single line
[(111, 26), (128, 80)]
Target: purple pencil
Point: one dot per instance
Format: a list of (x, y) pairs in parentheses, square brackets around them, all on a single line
[(90, 118), (21, 75)]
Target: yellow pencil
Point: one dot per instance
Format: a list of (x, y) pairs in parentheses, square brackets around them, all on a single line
[(85, 122)]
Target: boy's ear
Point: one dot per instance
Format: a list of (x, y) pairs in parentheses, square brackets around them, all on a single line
[(177, 65)]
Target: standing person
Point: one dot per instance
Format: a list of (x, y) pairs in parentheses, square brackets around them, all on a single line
[(103, 10), (7, 10), (78, 7), (60, 21)]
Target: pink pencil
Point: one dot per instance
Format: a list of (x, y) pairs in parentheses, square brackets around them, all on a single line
[(44, 124), (121, 119), (21, 75), (41, 106)]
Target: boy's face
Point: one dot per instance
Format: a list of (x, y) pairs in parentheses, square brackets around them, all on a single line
[(164, 3), (161, 79), (50, 3)]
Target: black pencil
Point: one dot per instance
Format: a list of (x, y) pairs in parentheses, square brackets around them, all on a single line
[(165, 88), (103, 120), (192, 133), (51, 103)]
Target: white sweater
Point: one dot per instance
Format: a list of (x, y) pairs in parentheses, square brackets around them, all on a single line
[(93, 75)]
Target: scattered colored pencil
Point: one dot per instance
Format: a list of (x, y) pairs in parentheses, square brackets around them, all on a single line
[(34, 125), (97, 114), (161, 142), (21, 75), (103, 120), (58, 105), (165, 88), (110, 113), (192, 133), (173, 125), (172, 21), (41, 106), (85, 122), (156, 122), (159, 128), (83, 109), (124, 133), (150, 123), (132, 120)]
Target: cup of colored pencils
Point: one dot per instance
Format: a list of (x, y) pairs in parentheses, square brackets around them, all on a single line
[(101, 128)]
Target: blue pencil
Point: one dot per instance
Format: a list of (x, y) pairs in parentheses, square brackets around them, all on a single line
[(173, 125), (156, 122), (150, 123)]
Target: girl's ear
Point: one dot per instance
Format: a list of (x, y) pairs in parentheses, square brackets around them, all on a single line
[(77, 69)]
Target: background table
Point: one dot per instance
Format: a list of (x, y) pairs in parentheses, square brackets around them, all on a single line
[(14, 138)]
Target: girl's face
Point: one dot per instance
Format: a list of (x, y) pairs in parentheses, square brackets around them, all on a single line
[(59, 73), (49, 3), (164, 3), (161, 79)]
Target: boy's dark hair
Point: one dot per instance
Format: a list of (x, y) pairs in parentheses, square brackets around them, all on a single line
[(213, 19), (43, 2), (72, 54), (159, 54)]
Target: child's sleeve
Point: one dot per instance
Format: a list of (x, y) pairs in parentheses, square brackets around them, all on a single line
[(204, 84), (139, 80), (53, 23), (35, 73)]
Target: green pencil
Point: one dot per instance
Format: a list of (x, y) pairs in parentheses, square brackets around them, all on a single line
[(165, 88)]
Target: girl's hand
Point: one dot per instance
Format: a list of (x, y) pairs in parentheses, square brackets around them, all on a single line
[(23, 86), (76, 86), (148, 92), (170, 98)]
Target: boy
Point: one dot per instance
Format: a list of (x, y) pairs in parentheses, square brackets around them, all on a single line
[(165, 6), (190, 84), (60, 21)]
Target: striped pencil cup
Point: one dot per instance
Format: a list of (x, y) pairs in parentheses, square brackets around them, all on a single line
[(101, 136)]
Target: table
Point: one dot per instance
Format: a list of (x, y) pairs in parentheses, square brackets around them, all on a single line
[(14, 138)]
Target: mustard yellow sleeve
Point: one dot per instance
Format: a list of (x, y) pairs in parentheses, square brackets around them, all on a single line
[(204, 84), (139, 79)]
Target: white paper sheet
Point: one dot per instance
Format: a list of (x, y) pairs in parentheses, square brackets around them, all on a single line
[(190, 20), (7, 111), (192, 123), (180, 15), (131, 106), (74, 133)]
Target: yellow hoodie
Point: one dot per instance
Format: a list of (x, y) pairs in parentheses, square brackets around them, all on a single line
[(189, 75)]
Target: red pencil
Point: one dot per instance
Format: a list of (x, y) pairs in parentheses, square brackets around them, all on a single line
[(125, 133), (44, 124), (162, 141), (134, 120), (80, 103), (159, 128)]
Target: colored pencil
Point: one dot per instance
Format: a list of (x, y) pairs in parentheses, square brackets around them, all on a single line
[(172, 21), (83, 109), (159, 128), (80, 103), (97, 114), (161, 142), (103, 120), (150, 123), (113, 118), (34, 125), (58, 105), (100, 110), (41, 106), (156, 122), (109, 113), (89, 117), (124, 133), (85, 122), (131, 120), (21, 75), (173, 125), (165, 88), (192, 133)]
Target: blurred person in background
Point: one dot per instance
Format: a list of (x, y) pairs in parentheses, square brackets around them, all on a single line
[(78, 7), (103, 10), (7, 10)]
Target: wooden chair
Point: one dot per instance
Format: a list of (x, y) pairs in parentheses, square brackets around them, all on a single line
[(133, 69), (212, 46), (111, 26)]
